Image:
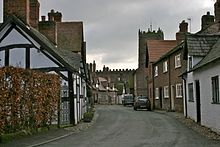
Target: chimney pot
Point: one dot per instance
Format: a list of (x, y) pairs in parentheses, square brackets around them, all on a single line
[(43, 18)]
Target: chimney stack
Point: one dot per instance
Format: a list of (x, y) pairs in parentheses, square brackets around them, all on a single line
[(94, 66), (43, 18), (217, 11), (19, 8), (183, 30), (207, 20), (57, 17), (34, 13)]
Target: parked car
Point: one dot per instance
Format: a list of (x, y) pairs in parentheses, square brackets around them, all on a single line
[(128, 99), (142, 102)]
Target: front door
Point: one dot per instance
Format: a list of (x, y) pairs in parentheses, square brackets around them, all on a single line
[(198, 103), (160, 96)]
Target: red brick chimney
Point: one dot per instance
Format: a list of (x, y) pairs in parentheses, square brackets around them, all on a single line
[(217, 11), (34, 13), (48, 29), (183, 30), (19, 8), (207, 20), (55, 16)]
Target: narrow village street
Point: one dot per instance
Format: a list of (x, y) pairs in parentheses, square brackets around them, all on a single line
[(118, 126)]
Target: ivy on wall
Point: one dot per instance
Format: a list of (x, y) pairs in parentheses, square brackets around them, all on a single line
[(28, 99)]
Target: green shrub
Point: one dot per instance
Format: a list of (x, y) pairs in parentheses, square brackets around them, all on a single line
[(88, 116)]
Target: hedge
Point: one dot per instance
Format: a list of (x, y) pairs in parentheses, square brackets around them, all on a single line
[(28, 99)]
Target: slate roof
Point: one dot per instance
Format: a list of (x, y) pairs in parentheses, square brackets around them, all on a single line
[(157, 48), (211, 29), (212, 56), (200, 45), (67, 58)]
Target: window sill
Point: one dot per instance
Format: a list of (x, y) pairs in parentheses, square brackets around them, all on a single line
[(191, 101), (156, 98), (179, 97), (177, 67), (166, 97)]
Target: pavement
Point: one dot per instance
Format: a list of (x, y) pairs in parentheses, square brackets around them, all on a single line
[(49, 136), (207, 132), (55, 134)]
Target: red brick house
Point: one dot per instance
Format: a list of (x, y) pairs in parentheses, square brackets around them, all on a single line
[(155, 49), (167, 81)]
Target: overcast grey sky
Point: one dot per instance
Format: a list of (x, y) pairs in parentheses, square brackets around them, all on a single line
[(111, 26)]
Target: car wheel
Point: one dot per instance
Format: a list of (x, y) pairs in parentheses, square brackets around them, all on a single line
[(149, 108), (135, 108)]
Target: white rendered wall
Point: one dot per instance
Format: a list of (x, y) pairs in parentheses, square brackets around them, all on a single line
[(210, 113)]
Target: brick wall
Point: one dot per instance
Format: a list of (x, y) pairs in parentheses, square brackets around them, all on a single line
[(171, 79), (34, 13), (70, 36), (49, 29), (159, 82), (20, 8), (176, 78)]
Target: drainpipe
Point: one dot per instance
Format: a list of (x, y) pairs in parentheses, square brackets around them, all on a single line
[(153, 94), (169, 82), (185, 94)]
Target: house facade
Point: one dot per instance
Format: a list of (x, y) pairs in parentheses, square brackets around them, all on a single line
[(197, 48), (206, 89), (23, 45), (155, 49), (167, 70)]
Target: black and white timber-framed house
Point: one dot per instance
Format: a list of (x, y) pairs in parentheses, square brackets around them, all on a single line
[(25, 47)]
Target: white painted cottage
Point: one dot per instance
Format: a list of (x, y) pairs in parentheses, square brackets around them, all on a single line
[(202, 102), (25, 47)]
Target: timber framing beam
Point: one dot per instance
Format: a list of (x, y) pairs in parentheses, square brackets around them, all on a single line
[(8, 47)]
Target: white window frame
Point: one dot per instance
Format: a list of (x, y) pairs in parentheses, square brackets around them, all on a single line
[(166, 91), (179, 90), (178, 61), (155, 71), (165, 66), (157, 93)]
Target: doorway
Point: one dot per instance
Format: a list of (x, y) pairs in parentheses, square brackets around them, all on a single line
[(172, 97), (160, 96), (198, 102)]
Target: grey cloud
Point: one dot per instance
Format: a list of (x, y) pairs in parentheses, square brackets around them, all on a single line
[(111, 26)]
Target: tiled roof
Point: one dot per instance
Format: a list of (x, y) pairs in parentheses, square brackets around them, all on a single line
[(200, 45), (213, 55), (157, 48), (69, 59), (173, 50)]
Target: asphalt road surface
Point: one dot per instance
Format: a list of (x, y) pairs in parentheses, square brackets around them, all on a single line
[(118, 126)]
